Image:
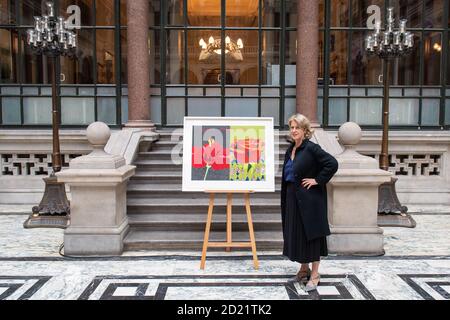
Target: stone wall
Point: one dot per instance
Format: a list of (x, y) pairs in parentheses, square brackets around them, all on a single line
[(421, 161)]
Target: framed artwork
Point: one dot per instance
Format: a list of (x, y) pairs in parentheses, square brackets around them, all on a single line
[(228, 154)]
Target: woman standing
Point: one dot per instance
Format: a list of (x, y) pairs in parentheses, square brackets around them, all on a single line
[(306, 171)]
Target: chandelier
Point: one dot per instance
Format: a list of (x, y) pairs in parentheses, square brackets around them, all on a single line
[(214, 47), (390, 43), (51, 36)]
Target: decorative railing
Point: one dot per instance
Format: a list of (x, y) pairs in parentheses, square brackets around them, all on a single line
[(414, 165), (30, 164)]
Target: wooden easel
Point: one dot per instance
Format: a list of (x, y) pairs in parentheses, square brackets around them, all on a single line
[(229, 244)]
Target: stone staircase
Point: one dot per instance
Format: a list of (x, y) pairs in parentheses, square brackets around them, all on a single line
[(162, 217)]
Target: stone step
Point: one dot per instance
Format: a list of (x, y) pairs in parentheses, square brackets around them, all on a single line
[(164, 165), (168, 177), (178, 222), (238, 216), (170, 135), (167, 155), (158, 165), (170, 191), (168, 145), (158, 205), (138, 239)]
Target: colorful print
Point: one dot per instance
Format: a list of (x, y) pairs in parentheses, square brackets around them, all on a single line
[(228, 153)]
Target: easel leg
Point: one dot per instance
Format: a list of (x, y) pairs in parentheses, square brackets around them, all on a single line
[(229, 231), (207, 230), (251, 231)]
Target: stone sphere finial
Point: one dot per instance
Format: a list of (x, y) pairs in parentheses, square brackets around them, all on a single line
[(350, 134), (98, 134)]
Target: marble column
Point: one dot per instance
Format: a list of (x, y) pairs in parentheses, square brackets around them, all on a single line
[(138, 65), (307, 58)]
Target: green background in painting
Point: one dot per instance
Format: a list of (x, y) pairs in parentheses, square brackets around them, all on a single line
[(252, 132), (257, 171)]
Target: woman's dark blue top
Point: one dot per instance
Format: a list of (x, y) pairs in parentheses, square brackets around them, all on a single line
[(289, 171)]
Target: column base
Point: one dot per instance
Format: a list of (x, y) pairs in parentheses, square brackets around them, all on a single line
[(316, 125), (401, 220), (89, 241), (361, 242), (147, 125)]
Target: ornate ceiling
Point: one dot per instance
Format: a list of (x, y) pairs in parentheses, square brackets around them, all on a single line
[(212, 8)]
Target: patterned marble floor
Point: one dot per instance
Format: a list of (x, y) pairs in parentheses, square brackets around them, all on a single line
[(416, 267)]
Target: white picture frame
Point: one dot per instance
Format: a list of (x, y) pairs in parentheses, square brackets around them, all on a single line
[(246, 146)]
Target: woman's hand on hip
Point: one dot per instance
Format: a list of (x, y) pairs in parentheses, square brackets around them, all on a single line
[(308, 183)]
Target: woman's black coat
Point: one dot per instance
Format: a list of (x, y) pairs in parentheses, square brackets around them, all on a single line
[(311, 162)]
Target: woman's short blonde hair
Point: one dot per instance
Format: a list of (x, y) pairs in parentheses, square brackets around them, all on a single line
[(304, 123)]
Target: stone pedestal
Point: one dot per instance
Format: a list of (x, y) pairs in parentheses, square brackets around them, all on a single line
[(353, 199), (98, 184)]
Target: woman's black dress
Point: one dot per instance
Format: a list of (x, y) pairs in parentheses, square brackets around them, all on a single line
[(296, 246), (304, 211)]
